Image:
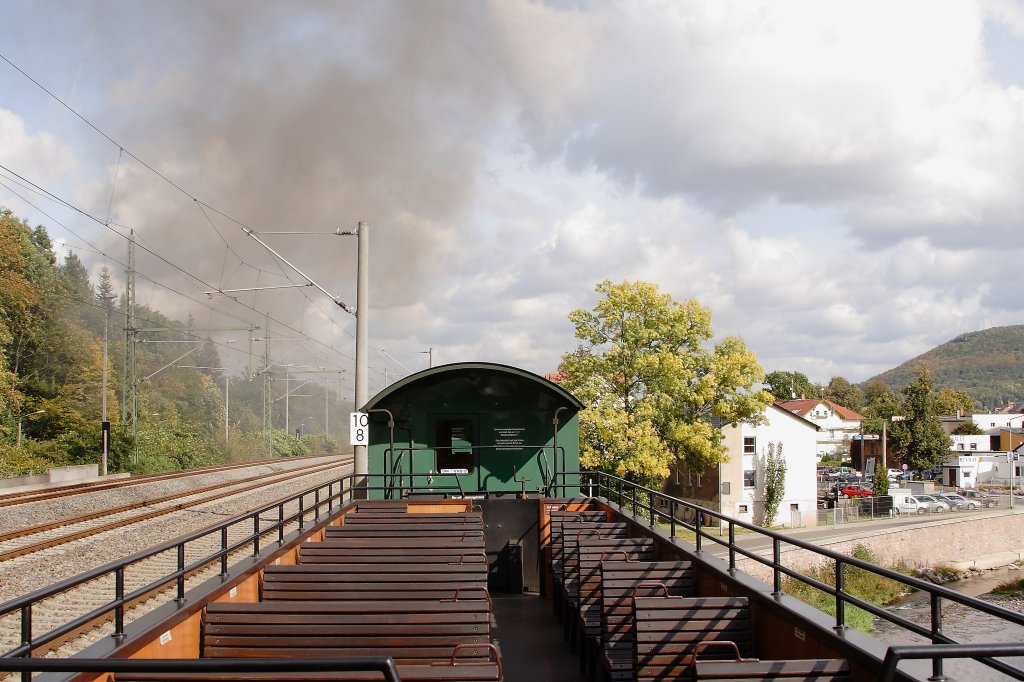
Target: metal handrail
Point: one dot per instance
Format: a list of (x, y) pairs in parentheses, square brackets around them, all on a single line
[(382, 664), (627, 492), (979, 652), (116, 607)]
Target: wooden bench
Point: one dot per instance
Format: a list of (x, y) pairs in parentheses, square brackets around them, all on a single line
[(668, 630), (554, 550), (390, 530), (591, 552), (739, 668), (324, 582), (570, 559), (418, 633), (621, 581)]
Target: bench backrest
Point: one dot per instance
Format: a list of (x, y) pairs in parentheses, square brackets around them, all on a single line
[(669, 628), (557, 520), (592, 551), (408, 631), (808, 670), (568, 569), (621, 581)]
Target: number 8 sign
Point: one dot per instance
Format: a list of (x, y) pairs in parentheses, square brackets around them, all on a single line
[(358, 429)]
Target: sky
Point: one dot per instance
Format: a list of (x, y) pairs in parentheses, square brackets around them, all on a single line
[(838, 182)]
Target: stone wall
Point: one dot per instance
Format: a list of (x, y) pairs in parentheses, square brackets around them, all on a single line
[(920, 545)]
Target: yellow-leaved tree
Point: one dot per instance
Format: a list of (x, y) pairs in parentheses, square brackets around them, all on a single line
[(655, 389)]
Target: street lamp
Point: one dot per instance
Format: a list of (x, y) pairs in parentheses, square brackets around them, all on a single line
[(30, 414)]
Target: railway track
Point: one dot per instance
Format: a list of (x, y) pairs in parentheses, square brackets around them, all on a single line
[(37, 538), (32, 496), (52, 613)]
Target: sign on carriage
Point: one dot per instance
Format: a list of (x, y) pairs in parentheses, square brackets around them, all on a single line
[(358, 429)]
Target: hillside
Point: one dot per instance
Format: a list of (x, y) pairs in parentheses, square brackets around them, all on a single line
[(988, 364)]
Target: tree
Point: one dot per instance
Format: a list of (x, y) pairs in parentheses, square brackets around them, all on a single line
[(105, 290), (842, 392), (774, 483), (968, 428), (952, 401), (881, 481), (789, 385), (919, 438), (652, 387)]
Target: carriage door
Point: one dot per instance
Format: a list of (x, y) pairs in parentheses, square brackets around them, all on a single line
[(454, 438)]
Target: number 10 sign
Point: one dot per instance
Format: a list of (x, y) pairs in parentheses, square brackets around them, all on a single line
[(358, 429)]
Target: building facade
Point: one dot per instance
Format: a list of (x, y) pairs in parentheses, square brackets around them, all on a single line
[(837, 425), (736, 486)]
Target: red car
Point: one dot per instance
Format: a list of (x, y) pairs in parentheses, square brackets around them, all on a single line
[(855, 490)]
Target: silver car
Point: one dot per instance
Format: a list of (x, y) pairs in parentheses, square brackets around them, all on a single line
[(934, 505), (957, 502)]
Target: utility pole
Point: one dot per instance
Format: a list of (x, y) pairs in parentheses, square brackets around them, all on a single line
[(361, 464), (130, 392), (268, 403)]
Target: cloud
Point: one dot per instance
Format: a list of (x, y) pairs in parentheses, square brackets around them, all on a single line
[(836, 181)]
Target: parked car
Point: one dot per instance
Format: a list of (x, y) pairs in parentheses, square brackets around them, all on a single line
[(983, 499), (957, 502), (855, 490), (908, 504), (934, 505)]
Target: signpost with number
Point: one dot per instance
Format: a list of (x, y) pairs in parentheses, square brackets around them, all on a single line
[(358, 429)]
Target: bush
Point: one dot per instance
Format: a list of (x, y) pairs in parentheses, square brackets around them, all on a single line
[(859, 582)]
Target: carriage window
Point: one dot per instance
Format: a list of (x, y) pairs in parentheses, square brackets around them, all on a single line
[(453, 443)]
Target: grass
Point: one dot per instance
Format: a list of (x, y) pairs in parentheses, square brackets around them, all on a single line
[(863, 584), (1010, 588)]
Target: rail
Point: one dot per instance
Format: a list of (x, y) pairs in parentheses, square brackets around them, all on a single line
[(326, 497), (656, 506)]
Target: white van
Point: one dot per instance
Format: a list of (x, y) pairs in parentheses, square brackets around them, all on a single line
[(905, 503)]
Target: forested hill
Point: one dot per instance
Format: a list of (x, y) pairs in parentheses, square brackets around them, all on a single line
[(987, 364)]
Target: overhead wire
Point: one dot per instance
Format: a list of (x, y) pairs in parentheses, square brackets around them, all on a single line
[(203, 206), (201, 303)]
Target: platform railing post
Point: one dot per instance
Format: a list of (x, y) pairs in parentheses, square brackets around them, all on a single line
[(302, 512), (650, 508), (26, 636), (672, 518), (776, 566), (280, 523), (840, 600), (256, 534), (732, 545), (936, 609), (224, 550), (119, 599), (181, 573)]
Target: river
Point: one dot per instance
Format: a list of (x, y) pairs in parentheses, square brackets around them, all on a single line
[(962, 624)]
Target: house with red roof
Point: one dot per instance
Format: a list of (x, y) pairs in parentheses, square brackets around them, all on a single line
[(837, 425)]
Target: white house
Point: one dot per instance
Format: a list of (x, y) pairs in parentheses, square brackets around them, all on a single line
[(837, 425), (736, 487)]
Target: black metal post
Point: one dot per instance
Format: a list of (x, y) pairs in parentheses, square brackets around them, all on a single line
[(936, 600), (256, 534), (181, 573), (840, 599), (776, 566), (224, 550), (280, 523), (672, 519), (732, 546), (119, 600)]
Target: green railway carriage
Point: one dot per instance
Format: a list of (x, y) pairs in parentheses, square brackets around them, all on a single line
[(471, 428)]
